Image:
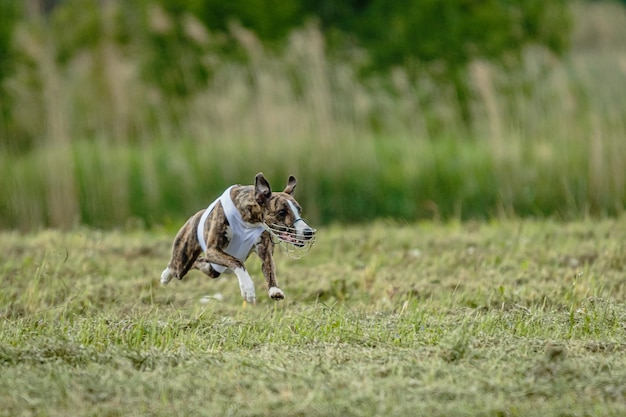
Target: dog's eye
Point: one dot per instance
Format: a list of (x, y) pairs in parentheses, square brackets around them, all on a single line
[(282, 213)]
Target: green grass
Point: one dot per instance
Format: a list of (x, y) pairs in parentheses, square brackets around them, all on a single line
[(507, 318), (355, 180)]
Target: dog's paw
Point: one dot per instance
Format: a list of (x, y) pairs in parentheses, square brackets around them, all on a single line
[(246, 285), (249, 297), (166, 276), (248, 294), (276, 293)]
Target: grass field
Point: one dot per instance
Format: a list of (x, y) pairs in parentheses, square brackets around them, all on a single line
[(507, 318)]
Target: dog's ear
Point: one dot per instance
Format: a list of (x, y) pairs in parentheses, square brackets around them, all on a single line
[(262, 189), (291, 184)]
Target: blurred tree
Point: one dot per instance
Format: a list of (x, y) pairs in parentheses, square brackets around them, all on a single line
[(453, 31), (178, 41), (269, 19), (443, 36), (10, 12), (178, 46)]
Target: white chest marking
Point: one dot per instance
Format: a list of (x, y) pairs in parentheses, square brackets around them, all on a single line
[(241, 235)]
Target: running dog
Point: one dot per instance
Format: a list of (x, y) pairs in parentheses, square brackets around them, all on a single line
[(243, 219)]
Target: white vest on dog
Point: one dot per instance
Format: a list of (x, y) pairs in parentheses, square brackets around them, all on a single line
[(243, 234)]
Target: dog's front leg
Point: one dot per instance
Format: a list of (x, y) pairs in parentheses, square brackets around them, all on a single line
[(246, 284), (265, 250)]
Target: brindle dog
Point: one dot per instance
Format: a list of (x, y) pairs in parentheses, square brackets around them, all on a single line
[(231, 228)]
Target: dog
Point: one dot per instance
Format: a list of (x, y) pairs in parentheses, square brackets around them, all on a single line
[(242, 220)]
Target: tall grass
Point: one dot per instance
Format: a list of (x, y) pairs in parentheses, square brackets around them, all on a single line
[(545, 139)]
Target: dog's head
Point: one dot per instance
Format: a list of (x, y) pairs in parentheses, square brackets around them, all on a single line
[(282, 213)]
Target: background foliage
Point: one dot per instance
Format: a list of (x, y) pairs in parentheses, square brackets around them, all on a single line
[(142, 112)]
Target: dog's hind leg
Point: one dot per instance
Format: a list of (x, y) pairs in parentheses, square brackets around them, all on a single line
[(185, 251)]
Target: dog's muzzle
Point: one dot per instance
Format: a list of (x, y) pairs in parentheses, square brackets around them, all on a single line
[(296, 241)]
